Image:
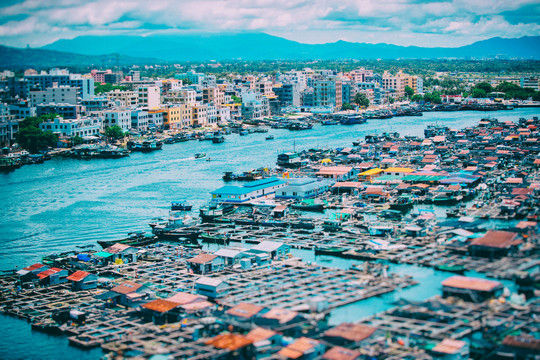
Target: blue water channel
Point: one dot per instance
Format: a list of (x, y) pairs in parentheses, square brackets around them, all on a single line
[(54, 206)]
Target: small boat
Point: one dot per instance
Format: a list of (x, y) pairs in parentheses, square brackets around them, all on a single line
[(181, 205), (458, 269), (208, 159), (244, 133), (308, 205), (218, 139), (332, 225), (270, 137), (390, 214), (139, 238), (403, 203), (200, 155), (215, 239), (332, 251), (215, 210)]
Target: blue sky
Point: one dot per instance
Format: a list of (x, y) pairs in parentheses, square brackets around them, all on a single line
[(401, 22)]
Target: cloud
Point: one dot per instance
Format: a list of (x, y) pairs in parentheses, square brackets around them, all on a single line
[(404, 22)]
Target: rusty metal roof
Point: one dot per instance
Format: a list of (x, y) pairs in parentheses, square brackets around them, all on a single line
[(496, 239), (471, 283), (202, 259), (160, 305), (341, 353), (126, 287), (245, 310), (351, 332), (230, 341), (78, 275)]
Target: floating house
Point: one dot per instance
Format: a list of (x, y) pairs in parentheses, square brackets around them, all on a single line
[(450, 349), (338, 173), (211, 287), (249, 191), (83, 280), (205, 263), (341, 353), (302, 188), (122, 253), (303, 348), (53, 276), (348, 334), (274, 249), (128, 293), (29, 273), (494, 244), (471, 289)]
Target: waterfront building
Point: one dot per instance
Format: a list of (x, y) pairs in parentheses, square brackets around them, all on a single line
[(199, 115), (302, 188), (155, 119), (53, 276), (395, 83), (532, 82), (252, 190), (326, 92), (83, 127), (494, 244), (177, 117), (214, 288), (338, 173), (185, 96), (82, 280), (203, 264), (9, 126), (118, 117), (471, 289), (254, 105), (275, 250), (139, 120), (303, 348), (287, 94)]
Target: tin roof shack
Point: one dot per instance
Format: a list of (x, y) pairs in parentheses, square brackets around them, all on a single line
[(211, 287), (303, 348), (252, 190), (302, 188), (205, 264), (53, 276), (103, 257), (161, 311), (243, 315), (338, 173), (520, 347), (191, 304), (285, 321), (240, 346), (494, 244), (370, 174), (264, 340), (129, 293), (471, 289), (274, 249), (122, 253), (341, 353), (450, 349), (348, 334), (29, 273), (230, 256), (82, 280)]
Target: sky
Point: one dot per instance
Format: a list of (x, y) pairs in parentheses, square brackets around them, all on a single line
[(446, 23)]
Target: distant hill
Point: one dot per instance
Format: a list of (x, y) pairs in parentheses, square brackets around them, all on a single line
[(14, 58), (258, 46)]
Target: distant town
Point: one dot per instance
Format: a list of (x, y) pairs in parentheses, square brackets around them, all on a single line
[(64, 110)]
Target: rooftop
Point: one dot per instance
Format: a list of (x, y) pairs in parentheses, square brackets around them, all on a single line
[(471, 283)]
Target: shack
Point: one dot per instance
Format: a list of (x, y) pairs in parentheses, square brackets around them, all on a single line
[(205, 264), (348, 334), (53, 276), (303, 348), (211, 287), (82, 280), (471, 289), (494, 244)]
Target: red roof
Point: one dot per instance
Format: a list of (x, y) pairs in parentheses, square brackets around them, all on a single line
[(78, 275), (245, 310), (33, 267), (229, 341), (470, 283), (351, 332), (341, 353), (160, 305), (127, 287), (46, 273), (496, 239), (202, 259)]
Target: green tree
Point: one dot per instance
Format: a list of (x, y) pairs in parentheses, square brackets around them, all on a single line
[(236, 99), (391, 100), (361, 100), (417, 98), (105, 88), (478, 93), (114, 132), (346, 106), (409, 91), (484, 86), (30, 137), (76, 140)]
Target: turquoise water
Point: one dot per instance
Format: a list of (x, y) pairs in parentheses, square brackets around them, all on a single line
[(52, 207)]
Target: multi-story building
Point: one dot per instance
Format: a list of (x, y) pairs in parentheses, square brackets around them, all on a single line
[(22, 110), (212, 114), (254, 105), (66, 111), (139, 120), (96, 103), (213, 96), (395, 83), (149, 96), (62, 78), (9, 126), (126, 97), (264, 87), (530, 82), (177, 117), (135, 75), (99, 75), (55, 94), (83, 127), (199, 115), (117, 117), (182, 96), (326, 92), (288, 94), (155, 119)]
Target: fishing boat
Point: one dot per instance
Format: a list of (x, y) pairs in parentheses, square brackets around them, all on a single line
[(270, 137), (390, 214), (178, 226), (214, 210), (330, 250), (458, 269), (402, 203), (446, 198), (243, 133), (308, 205), (218, 139), (139, 238), (200, 155), (332, 225), (181, 205), (215, 239)]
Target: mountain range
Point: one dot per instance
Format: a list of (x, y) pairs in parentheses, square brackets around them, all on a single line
[(248, 46)]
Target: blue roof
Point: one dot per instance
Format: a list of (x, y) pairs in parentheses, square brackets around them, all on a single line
[(250, 187)]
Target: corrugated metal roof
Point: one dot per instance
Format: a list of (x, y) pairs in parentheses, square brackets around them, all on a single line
[(471, 283), (78, 275)]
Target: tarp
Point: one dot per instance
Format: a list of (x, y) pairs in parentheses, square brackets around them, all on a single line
[(84, 257)]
